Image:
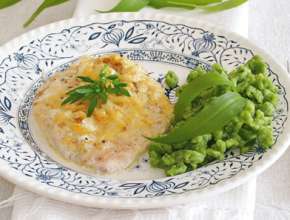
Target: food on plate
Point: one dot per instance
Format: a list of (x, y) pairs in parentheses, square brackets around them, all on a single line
[(103, 113), (98, 112), (217, 111)]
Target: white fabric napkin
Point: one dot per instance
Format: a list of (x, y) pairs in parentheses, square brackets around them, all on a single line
[(237, 204)]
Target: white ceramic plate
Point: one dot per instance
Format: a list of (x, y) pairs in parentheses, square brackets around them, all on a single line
[(159, 43)]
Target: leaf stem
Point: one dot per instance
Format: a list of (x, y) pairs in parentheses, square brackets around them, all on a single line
[(34, 15)]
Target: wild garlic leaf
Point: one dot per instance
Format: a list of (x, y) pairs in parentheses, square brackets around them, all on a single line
[(112, 77), (191, 90), (7, 3), (104, 97), (224, 5), (85, 90), (45, 4), (214, 116), (74, 90), (128, 6), (189, 4), (167, 3), (208, 5), (124, 92), (122, 84), (205, 2)]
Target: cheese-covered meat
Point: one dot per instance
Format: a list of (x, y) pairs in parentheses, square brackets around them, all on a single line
[(112, 138)]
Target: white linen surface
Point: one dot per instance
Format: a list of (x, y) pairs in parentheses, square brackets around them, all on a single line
[(237, 204)]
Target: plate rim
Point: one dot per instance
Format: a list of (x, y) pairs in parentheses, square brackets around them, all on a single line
[(157, 202)]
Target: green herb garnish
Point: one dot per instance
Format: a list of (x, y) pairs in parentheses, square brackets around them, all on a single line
[(96, 91), (224, 5), (188, 4)]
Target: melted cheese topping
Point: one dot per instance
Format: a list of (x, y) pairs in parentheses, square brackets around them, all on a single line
[(116, 129)]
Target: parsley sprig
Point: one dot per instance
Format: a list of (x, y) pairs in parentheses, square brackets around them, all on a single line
[(96, 91)]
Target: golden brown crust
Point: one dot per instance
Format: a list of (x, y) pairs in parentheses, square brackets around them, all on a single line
[(114, 135)]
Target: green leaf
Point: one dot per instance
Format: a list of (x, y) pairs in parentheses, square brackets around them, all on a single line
[(190, 4), (7, 3), (80, 87), (224, 5), (86, 79), (92, 106), (45, 4), (209, 5), (104, 97), (124, 92), (85, 90), (112, 77), (122, 84), (214, 116), (73, 97), (136, 5), (167, 3), (128, 6), (191, 90)]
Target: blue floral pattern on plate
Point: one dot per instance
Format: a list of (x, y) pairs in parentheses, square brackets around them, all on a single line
[(145, 40)]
